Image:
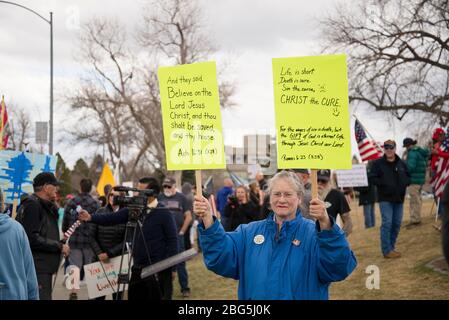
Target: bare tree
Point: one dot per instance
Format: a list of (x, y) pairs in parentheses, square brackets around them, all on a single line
[(120, 99), (19, 127), (398, 54), (100, 102), (174, 28)]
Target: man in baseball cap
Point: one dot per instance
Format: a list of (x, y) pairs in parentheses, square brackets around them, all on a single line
[(44, 178), (181, 210), (39, 217), (407, 142), (335, 200), (324, 175), (169, 182)]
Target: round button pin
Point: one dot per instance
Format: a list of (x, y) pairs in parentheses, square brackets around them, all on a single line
[(259, 239)]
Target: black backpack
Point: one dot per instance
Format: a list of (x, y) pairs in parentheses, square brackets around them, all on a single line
[(21, 211)]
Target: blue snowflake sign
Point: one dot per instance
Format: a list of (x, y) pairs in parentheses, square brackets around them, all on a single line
[(18, 169)]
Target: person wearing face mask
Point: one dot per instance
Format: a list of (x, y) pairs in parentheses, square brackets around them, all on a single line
[(391, 176), (178, 205)]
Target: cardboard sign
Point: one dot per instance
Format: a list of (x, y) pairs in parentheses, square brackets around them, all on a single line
[(355, 177), (102, 281), (18, 169), (311, 108), (191, 117)]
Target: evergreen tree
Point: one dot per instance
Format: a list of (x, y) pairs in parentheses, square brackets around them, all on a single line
[(81, 168), (64, 176)]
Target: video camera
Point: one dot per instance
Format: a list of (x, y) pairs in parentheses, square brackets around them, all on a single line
[(233, 201), (137, 204)]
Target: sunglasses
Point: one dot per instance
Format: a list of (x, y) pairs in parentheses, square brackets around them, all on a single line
[(389, 146), (322, 181), (166, 187)]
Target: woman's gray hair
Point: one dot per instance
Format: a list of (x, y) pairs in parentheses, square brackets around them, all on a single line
[(290, 177)]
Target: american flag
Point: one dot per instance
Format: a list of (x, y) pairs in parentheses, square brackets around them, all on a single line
[(4, 130), (442, 173), (369, 150)]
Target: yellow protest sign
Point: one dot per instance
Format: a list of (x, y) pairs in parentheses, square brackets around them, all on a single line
[(191, 117), (311, 108)]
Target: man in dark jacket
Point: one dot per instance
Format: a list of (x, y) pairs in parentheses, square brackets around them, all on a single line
[(159, 237), (39, 217), (391, 177), (416, 164), (182, 213)]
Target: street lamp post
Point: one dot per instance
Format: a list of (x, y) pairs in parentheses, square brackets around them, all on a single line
[(50, 22)]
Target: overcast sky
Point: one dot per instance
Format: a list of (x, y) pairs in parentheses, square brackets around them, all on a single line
[(249, 32)]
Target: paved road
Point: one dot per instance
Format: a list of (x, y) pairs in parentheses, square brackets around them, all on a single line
[(62, 293)]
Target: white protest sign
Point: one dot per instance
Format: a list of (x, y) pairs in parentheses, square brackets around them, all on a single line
[(102, 281), (355, 177)]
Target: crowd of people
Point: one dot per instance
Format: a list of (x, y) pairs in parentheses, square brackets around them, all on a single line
[(272, 225)]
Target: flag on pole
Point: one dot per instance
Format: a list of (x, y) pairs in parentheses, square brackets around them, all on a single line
[(442, 172), (106, 178), (4, 134), (369, 150)]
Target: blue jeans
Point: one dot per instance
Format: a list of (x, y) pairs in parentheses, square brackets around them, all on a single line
[(181, 268), (391, 224), (368, 212)]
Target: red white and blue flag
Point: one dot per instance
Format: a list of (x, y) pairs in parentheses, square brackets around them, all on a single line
[(4, 130), (442, 172), (369, 149)]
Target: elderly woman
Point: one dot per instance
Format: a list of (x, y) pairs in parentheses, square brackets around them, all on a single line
[(284, 256)]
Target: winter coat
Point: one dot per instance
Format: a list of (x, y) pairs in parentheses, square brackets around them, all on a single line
[(296, 263), (417, 159), (239, 213), (110, 239), (40, 221), (391, 179), (82, 238), (222, 198), (368, 194), (159, 231), (17, 271)]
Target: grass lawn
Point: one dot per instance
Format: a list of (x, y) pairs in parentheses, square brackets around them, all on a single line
[(403, 278)]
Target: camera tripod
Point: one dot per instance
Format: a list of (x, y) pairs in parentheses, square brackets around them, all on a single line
[(133, 227)]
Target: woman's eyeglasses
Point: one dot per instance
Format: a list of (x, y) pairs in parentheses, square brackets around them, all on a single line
[(389, 146), (287, 195)]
